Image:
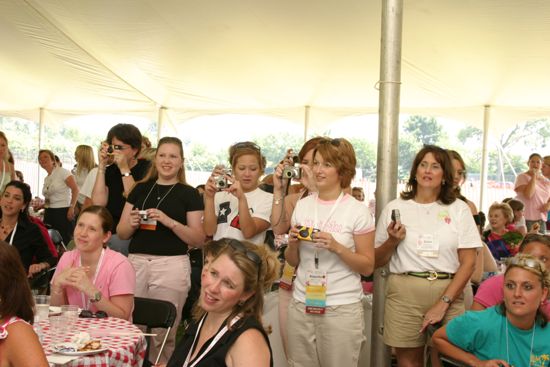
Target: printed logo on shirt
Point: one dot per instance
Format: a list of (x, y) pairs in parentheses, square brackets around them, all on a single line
[(224, 212), (444, 215)]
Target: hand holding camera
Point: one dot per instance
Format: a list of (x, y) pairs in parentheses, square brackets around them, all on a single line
[(396, 229)]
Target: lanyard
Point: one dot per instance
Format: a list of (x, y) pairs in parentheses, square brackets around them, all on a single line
[(212, 343), (160, 200), (95, 277), (13, 233), (321, 227)]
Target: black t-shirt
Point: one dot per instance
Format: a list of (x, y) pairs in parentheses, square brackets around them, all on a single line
[(113, 181), (175, 202), (216, 356)]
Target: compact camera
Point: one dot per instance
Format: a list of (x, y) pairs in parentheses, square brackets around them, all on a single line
[(395, 215), (220, 181), (306, 233), (112, 148), (143, 215), (292, 171)]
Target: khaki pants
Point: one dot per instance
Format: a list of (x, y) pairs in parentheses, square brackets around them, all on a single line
[(330, 340), (166, 278)]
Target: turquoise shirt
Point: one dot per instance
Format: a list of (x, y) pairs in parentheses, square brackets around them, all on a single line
[(483, 333)]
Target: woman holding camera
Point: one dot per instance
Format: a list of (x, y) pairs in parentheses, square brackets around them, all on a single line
[(162, 216), (238, 208), (118, 171), (431, 253), (331, 244)]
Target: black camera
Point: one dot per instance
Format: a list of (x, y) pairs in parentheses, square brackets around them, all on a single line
[(306, 233), (395, 215), (112, 148)]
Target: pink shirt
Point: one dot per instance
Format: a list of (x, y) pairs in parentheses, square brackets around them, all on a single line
[(116, 277), (539, 198), (491, 293)]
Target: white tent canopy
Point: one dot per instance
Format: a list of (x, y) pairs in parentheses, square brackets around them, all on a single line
[(183, 58)]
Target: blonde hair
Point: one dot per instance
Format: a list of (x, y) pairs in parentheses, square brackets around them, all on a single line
[(85, 160), (153, 172), (256, 280), (7, 155), (506, 210)]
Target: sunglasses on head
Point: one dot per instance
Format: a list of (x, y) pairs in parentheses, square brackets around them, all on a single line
[(530, 263), (87, 314), (251, 255), (247, 144)]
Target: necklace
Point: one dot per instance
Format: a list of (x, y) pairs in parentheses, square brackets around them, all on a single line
[(159, 198), (508, 344), (6, 228)]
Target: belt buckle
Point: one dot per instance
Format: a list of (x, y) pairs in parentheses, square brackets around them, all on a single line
[(432, 275)]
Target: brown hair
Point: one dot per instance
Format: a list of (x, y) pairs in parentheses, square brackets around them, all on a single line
[(309, 145), (103, 214), (253, 282), (447, 194), (506, 210), (515, 204), (237, 150), (534, 237), (8, 153), (48, 152), (340, 153), (15, 292)]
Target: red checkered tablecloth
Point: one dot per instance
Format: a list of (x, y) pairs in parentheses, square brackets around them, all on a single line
[(124, 350)]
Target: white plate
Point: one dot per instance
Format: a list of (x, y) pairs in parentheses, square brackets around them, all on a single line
[(82, 353)]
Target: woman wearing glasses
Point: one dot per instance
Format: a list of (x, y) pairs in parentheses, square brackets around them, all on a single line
[(331, 244), (92, 276), (431, 251), (514, 333), (227, 329), (234, 206), (490, 291), (163, 218)]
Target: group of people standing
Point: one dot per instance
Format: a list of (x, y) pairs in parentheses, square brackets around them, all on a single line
[(428, 238)]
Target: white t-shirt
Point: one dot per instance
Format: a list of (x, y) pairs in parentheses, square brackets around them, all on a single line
[(226, 206), (349, 218), (56, 192), (88, 185), (451, 226)]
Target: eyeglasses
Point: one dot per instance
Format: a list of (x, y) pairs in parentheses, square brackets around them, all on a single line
[(247, 144), (87, 314), (522, 262), (251, 255)]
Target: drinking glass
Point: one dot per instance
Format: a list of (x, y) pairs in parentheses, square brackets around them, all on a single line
[(70, 312), (42, 306), (58, 328)]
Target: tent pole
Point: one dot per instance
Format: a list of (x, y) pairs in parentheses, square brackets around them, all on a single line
[(40, 142), (160, 121), (306, 121), (484, 156), (386, 167)]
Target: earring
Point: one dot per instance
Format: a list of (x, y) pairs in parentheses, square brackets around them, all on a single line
[(443, 183)]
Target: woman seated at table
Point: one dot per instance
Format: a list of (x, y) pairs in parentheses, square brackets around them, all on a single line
[(229, 309), (19, 345), (17, 229), (92, 276), (490, 292), (512, 334)]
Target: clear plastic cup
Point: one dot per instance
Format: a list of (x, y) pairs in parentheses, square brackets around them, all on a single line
[(58, 328), (70, 312), (42, 307)]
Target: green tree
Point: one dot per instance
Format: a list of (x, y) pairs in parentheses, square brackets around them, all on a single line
[(365, 153), (426, 130)]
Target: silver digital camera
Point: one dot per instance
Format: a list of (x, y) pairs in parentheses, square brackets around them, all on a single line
[(220, 181), (143, 215), (292, 171)]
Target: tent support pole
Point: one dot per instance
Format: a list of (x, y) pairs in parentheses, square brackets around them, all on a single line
[(306, 121), (160, 122), (386, 167), (484, 156), (40, 143)]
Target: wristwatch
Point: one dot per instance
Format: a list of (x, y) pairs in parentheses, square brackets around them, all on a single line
[(126, 174), (446, 299), (97, 297)]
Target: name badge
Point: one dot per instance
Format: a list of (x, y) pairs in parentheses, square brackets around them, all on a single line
[(287, 277), (148, 225), (427, 246), (316, 292)]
